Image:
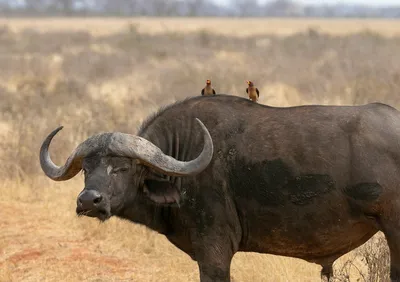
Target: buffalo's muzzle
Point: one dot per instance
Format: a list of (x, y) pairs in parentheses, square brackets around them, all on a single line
[(91, 203)]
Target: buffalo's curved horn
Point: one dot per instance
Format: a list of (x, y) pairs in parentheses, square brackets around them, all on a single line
[(74, 163), (125, 145), (150, 155)]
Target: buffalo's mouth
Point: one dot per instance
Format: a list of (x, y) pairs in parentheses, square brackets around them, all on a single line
[(101, 214)]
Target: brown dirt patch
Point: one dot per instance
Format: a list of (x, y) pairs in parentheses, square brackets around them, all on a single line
[(25, 255)]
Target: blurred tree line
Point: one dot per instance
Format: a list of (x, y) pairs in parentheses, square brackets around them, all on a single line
[(190, 8)]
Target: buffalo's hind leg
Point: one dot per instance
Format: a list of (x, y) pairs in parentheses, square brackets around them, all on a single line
[(326, 272), (392, 234)]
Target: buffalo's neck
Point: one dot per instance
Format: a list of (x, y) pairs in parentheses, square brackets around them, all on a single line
[(162, 219), (142, 211), (181, 139)]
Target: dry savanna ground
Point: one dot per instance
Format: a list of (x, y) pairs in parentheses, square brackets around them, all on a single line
[(93, 75)]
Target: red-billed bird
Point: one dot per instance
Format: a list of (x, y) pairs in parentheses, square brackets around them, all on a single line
[(252, 91), (208, 90)]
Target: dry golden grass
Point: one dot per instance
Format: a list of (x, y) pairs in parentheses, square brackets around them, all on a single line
[(100, 75), (43, 240)]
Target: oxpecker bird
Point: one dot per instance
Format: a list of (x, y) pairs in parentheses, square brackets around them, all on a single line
[(252, 91), (208, 90)]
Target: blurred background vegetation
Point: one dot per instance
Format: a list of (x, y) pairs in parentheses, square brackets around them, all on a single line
[(99, 83)]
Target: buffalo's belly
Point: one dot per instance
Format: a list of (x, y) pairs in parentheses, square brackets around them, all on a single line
[(312, 232)]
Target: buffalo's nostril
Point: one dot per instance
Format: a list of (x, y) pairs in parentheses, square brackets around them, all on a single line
[(89, 199), (97, 200)]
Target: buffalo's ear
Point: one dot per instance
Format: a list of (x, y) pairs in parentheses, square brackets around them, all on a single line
[(161, 191)]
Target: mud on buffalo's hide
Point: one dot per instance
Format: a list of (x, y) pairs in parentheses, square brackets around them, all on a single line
[(272, 183)]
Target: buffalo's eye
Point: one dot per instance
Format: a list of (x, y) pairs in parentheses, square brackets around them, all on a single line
[(119, 169)]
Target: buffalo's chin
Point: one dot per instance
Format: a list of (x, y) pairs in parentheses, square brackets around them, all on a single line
[(101, 214)]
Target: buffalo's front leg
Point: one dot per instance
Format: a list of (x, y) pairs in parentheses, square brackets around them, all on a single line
[(220, 273), (214, 249), (216, 235), (214, 258)]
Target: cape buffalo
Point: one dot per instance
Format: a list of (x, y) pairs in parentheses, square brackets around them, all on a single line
[(311, 182)]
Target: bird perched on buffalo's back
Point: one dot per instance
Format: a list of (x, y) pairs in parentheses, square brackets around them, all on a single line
[(208, 90), (252, 91)]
